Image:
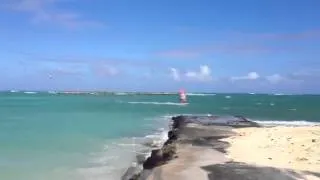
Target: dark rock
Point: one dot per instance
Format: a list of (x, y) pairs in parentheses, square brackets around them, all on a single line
[(173, 135), (157, 154), (169, 151), (178, 121), (140, 158), (169, 141), (130, 173), (313, 140), (135, 177), (154, 160), (231, 121), (160, 156)]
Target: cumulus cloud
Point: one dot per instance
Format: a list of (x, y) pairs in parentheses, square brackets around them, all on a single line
[(203, 74), (174, 73), (275, 78), (249, 76), (47, 11)]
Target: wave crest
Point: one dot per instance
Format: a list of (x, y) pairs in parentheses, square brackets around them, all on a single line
[(287, 123), (158, 103)]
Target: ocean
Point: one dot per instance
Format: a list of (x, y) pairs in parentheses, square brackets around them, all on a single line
[(49, 136)]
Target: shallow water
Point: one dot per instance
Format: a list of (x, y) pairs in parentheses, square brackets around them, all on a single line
[(68, 137)]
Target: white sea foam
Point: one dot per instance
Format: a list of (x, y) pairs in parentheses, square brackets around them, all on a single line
[(278, 94), (227, 97), (159, 103), (282, 94), (119, 154), (200, 94), (287, 123), (30, 92), (121, 94)]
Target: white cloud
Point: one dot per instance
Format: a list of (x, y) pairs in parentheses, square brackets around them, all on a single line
[(47, 11), (275, 78), (203, 74), (253, 75), (249, 76), (175, 74), (306, 74)]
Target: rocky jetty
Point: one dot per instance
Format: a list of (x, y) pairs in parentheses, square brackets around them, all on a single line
[(189, 130), (196, 149)]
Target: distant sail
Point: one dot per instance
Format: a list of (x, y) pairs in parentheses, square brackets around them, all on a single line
[(183, 96)]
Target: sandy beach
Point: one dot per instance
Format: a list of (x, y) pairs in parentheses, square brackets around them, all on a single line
[(214, 148), (296, 148)]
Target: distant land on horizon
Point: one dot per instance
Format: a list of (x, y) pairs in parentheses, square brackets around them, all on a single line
[(145, 92)]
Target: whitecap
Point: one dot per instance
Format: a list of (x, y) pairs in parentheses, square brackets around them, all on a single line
[(159, 103), (30, 92), (287, 123), (200, 94), (121, 94)]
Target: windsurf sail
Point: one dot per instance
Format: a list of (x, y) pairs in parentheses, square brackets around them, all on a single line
[(183, 96)]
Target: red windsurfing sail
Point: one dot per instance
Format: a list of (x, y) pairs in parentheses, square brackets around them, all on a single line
[(182, 95)]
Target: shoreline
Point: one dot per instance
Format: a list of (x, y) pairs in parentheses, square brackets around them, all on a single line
[(196, 148)]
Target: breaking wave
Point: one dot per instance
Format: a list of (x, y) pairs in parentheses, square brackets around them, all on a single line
[(119, 154), (199, 94), (287, 123), (159, 103)]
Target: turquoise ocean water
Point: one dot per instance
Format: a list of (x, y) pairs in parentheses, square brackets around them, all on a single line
[(47, 136)]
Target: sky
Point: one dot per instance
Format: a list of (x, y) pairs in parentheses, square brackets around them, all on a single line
[(161, 45)]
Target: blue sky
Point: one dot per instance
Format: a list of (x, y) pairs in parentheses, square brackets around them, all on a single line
[(125, 45)]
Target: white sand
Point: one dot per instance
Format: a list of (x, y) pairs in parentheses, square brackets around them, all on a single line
[(296, 148)]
